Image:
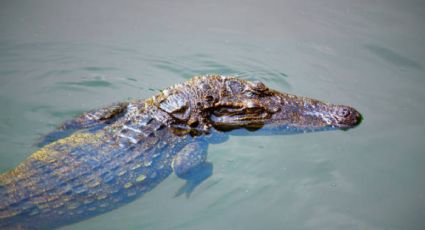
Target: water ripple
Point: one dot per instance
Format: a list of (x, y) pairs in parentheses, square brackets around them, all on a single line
[(393, 57)]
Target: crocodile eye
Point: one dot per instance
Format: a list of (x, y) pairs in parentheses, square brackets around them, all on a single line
[(258, 86), (255, 89), (344, 112)]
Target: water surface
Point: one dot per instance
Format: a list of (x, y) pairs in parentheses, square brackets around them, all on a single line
[(58, 59)]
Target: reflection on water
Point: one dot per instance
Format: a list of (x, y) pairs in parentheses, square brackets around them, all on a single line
[(365, 178)]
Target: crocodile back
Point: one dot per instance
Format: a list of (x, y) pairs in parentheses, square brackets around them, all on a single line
[(87, 173)]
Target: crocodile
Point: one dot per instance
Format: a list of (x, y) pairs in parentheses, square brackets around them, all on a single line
[(108, 157)]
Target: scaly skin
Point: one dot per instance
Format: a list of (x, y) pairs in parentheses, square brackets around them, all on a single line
[(113, 155)]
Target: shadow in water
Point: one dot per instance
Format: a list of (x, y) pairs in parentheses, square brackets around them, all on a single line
[(393, 57)]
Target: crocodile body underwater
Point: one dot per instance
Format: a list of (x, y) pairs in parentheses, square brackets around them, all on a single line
[(108, 157)]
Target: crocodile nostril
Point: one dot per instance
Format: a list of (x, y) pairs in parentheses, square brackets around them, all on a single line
[(344, 112)]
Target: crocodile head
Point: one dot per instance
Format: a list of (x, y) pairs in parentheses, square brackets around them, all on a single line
[(228, 103)]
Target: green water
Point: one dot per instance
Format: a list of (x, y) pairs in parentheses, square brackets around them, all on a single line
[(58, 59)]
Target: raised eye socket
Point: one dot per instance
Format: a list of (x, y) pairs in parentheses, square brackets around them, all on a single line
[(255, 89), (258, 86), (344, 112)]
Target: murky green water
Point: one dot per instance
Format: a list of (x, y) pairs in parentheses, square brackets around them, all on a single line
[(58, 59)]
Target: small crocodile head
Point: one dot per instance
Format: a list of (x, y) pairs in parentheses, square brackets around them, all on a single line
[(252, 105), (228, 103)]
